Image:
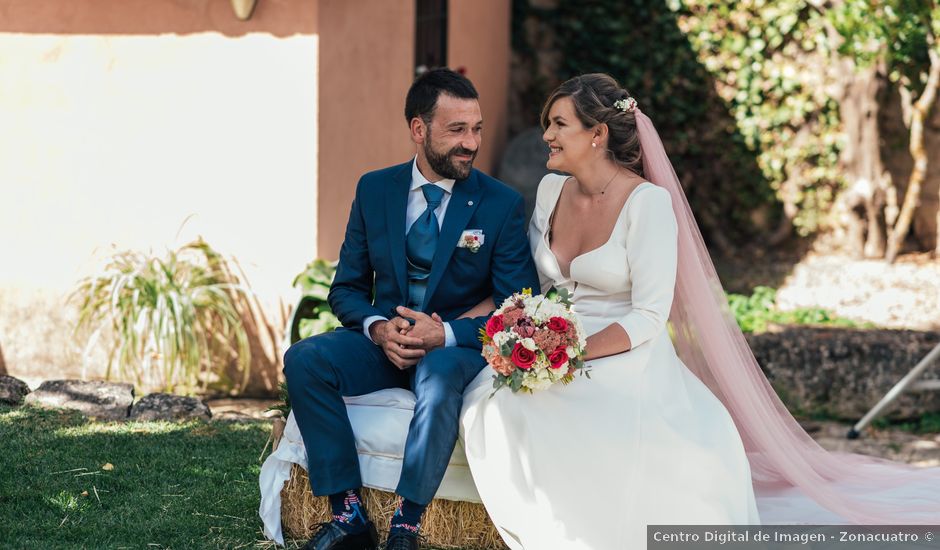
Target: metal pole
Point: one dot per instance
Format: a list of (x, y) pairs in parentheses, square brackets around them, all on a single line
[(896, 391)]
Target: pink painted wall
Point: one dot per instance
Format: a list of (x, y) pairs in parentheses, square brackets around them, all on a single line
[(366, 67), (479, 40), (368, 56), (152, 17), (123, 118)]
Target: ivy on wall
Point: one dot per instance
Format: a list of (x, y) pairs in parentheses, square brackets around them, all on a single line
[(768, 60), (738, 91)]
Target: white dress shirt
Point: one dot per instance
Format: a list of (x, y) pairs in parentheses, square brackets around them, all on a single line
[(417, 204)]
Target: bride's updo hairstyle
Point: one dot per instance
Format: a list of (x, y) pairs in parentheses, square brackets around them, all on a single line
[(594, 96)]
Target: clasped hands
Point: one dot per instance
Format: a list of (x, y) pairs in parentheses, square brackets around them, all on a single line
[(405, 344)]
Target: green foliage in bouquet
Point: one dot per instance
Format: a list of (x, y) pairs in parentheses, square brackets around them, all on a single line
[(314, 282), (171, 322)]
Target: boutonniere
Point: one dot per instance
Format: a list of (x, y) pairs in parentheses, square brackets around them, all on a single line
[(471, 239)]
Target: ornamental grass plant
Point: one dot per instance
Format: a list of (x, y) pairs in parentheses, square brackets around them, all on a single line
[(169, 323)]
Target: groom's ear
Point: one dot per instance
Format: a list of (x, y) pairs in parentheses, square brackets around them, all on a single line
[(419, 130)]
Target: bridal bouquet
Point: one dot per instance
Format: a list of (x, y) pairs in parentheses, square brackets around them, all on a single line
[(533, 342)]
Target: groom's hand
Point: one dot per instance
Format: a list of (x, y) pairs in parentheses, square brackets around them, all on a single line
[(402, 349), (429, 329)]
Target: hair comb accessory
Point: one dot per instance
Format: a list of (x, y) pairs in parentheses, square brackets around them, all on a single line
[(627, 105)]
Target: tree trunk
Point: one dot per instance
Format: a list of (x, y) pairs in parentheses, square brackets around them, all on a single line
[(934, 62), (864, 198), (919, 113)]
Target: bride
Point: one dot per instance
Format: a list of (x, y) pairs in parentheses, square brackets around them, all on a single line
[(662, 433)]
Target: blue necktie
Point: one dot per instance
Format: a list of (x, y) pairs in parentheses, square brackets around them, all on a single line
[(420, 245)]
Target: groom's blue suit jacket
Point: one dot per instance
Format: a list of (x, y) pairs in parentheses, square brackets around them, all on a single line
[(373, 252)]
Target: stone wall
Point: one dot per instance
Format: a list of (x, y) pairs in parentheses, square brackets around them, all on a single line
[(845, 372)]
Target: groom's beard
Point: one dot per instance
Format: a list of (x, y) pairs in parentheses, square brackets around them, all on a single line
[(445, 165)]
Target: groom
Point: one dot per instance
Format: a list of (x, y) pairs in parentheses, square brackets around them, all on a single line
[(426, 241)]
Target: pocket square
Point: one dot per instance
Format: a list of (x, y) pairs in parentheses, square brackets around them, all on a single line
[(471, 239)]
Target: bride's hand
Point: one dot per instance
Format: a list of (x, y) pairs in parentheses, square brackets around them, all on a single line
[(485, 307)]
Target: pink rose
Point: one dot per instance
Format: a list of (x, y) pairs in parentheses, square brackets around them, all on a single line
[(494, 325), (525, 331), (558, 324), (522, 357), (558, 358)]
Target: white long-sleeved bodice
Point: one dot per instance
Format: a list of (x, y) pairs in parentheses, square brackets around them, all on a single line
[(642, 442)]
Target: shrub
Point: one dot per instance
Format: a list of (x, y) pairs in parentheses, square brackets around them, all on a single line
[(172, 322), (755, 312), (314, 311)]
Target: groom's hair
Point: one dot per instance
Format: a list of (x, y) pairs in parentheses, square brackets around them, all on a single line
[(423, 94)]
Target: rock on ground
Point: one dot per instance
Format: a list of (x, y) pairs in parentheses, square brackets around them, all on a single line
[(165, 406), (104, 400), (12, 390), (241, 408)]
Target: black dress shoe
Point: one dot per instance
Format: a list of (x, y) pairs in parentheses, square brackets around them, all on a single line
[(330, 536), (402, 541)]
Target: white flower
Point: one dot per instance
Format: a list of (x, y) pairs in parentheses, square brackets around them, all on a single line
[(507, 303), (582, 339), (541, 309), (532, 310), (500, 338), (538, 381), (541, 363), (559, 373), (627, 105), (529, 344)]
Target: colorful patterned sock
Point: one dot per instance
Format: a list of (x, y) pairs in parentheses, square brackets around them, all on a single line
[(348, 511), (407, 518)]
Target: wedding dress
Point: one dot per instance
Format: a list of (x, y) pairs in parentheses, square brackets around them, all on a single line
[(643, 441)]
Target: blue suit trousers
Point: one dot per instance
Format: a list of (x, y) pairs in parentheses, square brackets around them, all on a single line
[(322, 369)]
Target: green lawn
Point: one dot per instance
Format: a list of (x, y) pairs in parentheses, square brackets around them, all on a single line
[(190, 485)]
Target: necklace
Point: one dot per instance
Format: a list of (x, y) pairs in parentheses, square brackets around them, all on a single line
[(604, 190)]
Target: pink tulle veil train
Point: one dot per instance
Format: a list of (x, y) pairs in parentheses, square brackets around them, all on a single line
[(795, 480)]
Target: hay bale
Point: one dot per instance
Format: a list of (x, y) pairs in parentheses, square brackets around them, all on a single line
[(446, 523)]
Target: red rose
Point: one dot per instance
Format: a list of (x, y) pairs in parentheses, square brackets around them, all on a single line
[(522, 357), (559, 357), (494, 325), (558, 324)]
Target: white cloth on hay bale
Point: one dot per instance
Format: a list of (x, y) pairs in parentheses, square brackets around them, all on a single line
[(380, 423)]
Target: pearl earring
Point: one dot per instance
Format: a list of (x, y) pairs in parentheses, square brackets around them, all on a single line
[(593, 144)]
